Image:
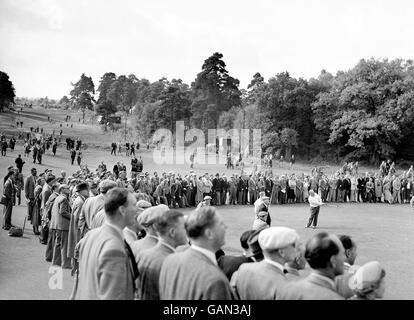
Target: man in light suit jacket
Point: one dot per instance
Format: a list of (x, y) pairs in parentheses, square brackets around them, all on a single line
[(106, 267), (82, 190), (193, 274), (47, 216), (325, 255), (29, 186), (61, 213), (265, 279), (171, 230), (93, 205)]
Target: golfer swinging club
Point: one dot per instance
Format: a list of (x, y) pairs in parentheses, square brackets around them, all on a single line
[(315, 202)]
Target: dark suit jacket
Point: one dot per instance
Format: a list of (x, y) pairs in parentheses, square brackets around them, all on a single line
[(190, 275), (8, 190), (230, 264), (149, 268)]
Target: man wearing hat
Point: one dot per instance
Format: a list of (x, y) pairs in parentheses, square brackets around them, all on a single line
[(263, 206), (147, 219), (171, 230), (230, 264), (93, 205), (61, 213), (131, 231), (81, 191), (193, 274), (325, 254), (206, 202), (264, 280)]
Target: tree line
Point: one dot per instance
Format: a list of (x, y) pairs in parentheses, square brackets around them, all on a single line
[(365, 113)]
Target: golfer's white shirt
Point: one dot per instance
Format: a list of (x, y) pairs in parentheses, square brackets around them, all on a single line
[(315, 201)]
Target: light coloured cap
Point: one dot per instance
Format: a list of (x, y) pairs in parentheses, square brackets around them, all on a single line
[(106, 185), (366, 275), (277, 237), (63, 186), (143, 204), (207, 198), (150, 215)]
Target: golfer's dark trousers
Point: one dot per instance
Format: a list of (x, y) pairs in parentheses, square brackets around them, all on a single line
[(313, 217)]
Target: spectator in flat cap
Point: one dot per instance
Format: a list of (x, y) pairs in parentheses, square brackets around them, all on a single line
[(260, 220), (265, 279), (368, 282), (92, 206), (325, 254), (140, 230), (171, 230), (131, 232), (205, 203), (229, 264), (194, 274), (147, 219), (81, 193), (263, 205)]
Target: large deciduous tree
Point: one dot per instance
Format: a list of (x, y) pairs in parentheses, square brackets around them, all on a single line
[(82, 94), (369, 109)]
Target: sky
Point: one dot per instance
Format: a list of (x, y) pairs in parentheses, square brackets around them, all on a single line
[(45, 45)]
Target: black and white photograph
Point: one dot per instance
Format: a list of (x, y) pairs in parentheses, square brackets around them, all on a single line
[(226, 151)]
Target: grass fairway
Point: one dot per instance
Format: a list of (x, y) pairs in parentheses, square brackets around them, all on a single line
[(382, 232)]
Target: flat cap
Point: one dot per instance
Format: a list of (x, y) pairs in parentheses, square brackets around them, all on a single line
[(274, 238), (143, 204), (106, 185), (81, 186), (50, 179), (63, 186), (253, 243), (366, 276), (150, 215)]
